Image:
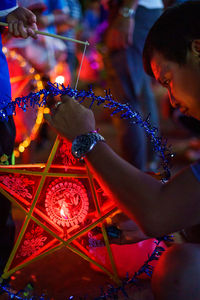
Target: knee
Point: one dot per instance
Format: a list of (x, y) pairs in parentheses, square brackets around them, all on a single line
[(177, 273)]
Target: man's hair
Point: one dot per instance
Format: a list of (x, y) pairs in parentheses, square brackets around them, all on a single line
[(172, 34)]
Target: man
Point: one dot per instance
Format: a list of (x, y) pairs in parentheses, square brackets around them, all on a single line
[(128, 26), (21, 23), (172, 56)]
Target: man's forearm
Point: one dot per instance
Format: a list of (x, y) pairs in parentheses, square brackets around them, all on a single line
[(132, 189), (130, 4)]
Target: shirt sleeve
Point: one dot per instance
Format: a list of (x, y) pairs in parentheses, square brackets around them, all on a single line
[(196, 170), (7, 6), (74, 9)]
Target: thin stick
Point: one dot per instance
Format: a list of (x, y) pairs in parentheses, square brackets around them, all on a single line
[(79, 72), (53, 35)]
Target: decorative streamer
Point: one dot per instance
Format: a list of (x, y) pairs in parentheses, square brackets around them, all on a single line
[(40, 99), (8, 108)]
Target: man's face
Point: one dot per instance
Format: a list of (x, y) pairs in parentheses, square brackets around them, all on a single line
[(182, 82)]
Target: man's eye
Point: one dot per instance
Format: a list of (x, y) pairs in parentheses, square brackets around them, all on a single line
[(166, 83)]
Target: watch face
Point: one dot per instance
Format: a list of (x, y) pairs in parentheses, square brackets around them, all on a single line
[(127, 12), (85, 143), (81, 145)]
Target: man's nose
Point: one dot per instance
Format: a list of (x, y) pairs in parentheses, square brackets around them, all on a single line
[(173, 101)]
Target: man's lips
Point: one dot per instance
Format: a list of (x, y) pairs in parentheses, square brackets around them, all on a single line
[(184, 110)]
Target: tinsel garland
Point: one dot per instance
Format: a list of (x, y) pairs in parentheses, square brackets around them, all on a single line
[(8, 108), (111, 292)]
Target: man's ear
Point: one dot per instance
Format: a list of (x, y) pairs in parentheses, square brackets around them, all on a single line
[(195, 47)]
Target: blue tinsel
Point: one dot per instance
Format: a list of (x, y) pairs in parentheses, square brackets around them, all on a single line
[(39, 99)]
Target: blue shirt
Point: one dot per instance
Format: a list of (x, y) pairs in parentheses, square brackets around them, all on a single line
[(74, 8), (5, 88), (53, 5), (7, 4)]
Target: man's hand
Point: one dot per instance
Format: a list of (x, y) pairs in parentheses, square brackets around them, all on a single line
[(22, 23), (71, 119), (119, 34), (129, 231)]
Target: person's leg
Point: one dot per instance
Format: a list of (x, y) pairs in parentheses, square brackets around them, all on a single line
[(128, 66), (144, 20), (177, 274), (71, 60), (131, 137), (7, 232)]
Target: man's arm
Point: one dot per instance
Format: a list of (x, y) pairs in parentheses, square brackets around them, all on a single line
[(121, 26), (158, 208)]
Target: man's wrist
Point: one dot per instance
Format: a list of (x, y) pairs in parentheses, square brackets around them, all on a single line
[(127, 12), (50, 19), (84, 143)]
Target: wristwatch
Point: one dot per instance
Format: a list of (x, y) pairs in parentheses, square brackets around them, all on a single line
[(84, 143), (127, 12)]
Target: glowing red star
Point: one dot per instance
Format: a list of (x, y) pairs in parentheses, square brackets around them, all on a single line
[(64, 206)]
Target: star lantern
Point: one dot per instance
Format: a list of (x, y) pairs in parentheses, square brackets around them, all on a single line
[(65, 206)]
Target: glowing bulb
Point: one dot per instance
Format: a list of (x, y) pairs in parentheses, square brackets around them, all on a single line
[(16, 153), (46, 110), (32, 70), (25, 143), (23, 64), (21, 148), (62, 211), (5, 50), (37, 77), (60, 79)]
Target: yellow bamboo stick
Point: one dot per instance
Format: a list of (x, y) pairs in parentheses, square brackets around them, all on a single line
[(54, 35), (11, 271), (94, 262), (93, 191), (14, 250), (112, 261), (91, 226)]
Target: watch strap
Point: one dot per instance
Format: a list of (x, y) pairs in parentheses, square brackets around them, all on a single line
[(127, 12)]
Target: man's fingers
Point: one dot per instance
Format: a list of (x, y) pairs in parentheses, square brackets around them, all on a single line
[(48, 119), (31, 33), (53, 122), (15, 29), (31, 18), (22, 30), (22, 22), (10, 27)]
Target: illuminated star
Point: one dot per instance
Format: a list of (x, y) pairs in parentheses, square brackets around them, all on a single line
[(64, 206)]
